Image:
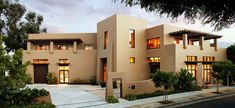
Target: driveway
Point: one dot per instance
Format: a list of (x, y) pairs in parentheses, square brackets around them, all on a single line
[(74, 96)]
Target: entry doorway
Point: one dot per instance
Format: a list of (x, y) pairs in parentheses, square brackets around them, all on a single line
[(40, 72), (64, 74), (103, 74), (117, 88)]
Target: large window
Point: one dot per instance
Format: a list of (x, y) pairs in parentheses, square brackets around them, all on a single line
[(192, 68), (207, 69), (105, 39), (153, 43), (64, 73), (208, 59), (42, 47), (132, 38)]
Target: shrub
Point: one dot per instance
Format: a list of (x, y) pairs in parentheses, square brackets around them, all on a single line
[(112, 99), (51, 79), (185, 81), (92, 80), (231, 53), (28, 79), (130, 97), (102, 84), (79, 81)]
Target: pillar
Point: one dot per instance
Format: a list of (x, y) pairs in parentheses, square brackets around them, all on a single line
[(28, 47), (199, 74), (51, 47), (201, 42), (185, 40), (75, 47), (215, 44)]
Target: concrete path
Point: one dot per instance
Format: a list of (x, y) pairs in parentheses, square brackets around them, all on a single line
[(74, 96)]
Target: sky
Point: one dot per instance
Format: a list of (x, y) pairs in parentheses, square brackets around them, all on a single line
[(81, 16)]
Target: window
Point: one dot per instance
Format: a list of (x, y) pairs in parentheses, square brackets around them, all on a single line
[(206, 76), (192, 68), (63, 61), (208, 59), (178, 41), (132, 59), (42, 47), (153, 43), (40, 61), (105, 39), (88, 47), (132, 38), (64, 47), (154, 59), (64, 73), (191, 58)]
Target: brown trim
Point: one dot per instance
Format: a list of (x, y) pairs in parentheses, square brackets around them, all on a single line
[(39, 63), (54, 40), (63, 63)]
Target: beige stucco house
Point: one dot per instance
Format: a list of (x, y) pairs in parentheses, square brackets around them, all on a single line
[(122, 44)]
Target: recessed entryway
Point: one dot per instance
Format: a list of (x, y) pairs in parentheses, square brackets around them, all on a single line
[(64, 73), (103, 69), (40, 72)]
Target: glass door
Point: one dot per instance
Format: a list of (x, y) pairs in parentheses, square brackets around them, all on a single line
[(64, 74)]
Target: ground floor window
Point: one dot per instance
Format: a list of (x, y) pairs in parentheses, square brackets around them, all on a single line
[(192, 68), (64, 73), (206, 76)]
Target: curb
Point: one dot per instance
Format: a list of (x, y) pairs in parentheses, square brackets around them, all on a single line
[(198, 100)]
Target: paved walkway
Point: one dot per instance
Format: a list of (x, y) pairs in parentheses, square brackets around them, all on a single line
[(74, 96)]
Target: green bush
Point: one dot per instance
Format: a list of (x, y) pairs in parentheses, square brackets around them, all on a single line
[(51, 79), (80, 81), (185, 81), (28, 79), (92, 80), (112, 99), (35, 105), (130, 97)]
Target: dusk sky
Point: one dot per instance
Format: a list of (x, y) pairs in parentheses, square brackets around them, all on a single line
[(73, 16)]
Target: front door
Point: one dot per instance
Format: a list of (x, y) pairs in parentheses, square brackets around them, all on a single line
[(103, 69), (40, 72), (64, 73)]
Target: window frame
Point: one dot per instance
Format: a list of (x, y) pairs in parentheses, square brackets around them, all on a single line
[(158, 43)]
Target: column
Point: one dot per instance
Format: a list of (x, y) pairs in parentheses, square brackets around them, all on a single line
[(28, 47), (199, 74), (215, 44), (185, 40), (201, 42), (51, 47), (75, 47)]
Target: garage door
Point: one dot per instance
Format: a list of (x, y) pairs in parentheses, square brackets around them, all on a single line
[(40, 72)]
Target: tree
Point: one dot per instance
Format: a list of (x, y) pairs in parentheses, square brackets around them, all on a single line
[(231, 53), (217, 13), (222, 71), (14, 29), (166, 80), (185, 81)]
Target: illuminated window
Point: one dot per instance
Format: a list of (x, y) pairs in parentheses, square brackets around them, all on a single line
[(132, 38), (64, 73), (206, 76), (105, 39), (64, 47), (63, 61), (191, 58), (154, 59), (153, 43), (208, 59), (192, 68), (88, 47), (40, 61), (42, 47), (132, 59)]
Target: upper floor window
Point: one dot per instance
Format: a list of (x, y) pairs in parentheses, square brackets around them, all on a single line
[(153, 43), (89, 47), (191, 58), (132, 38), (105, 39), (64, 47), (42, 47), (208, 59)]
